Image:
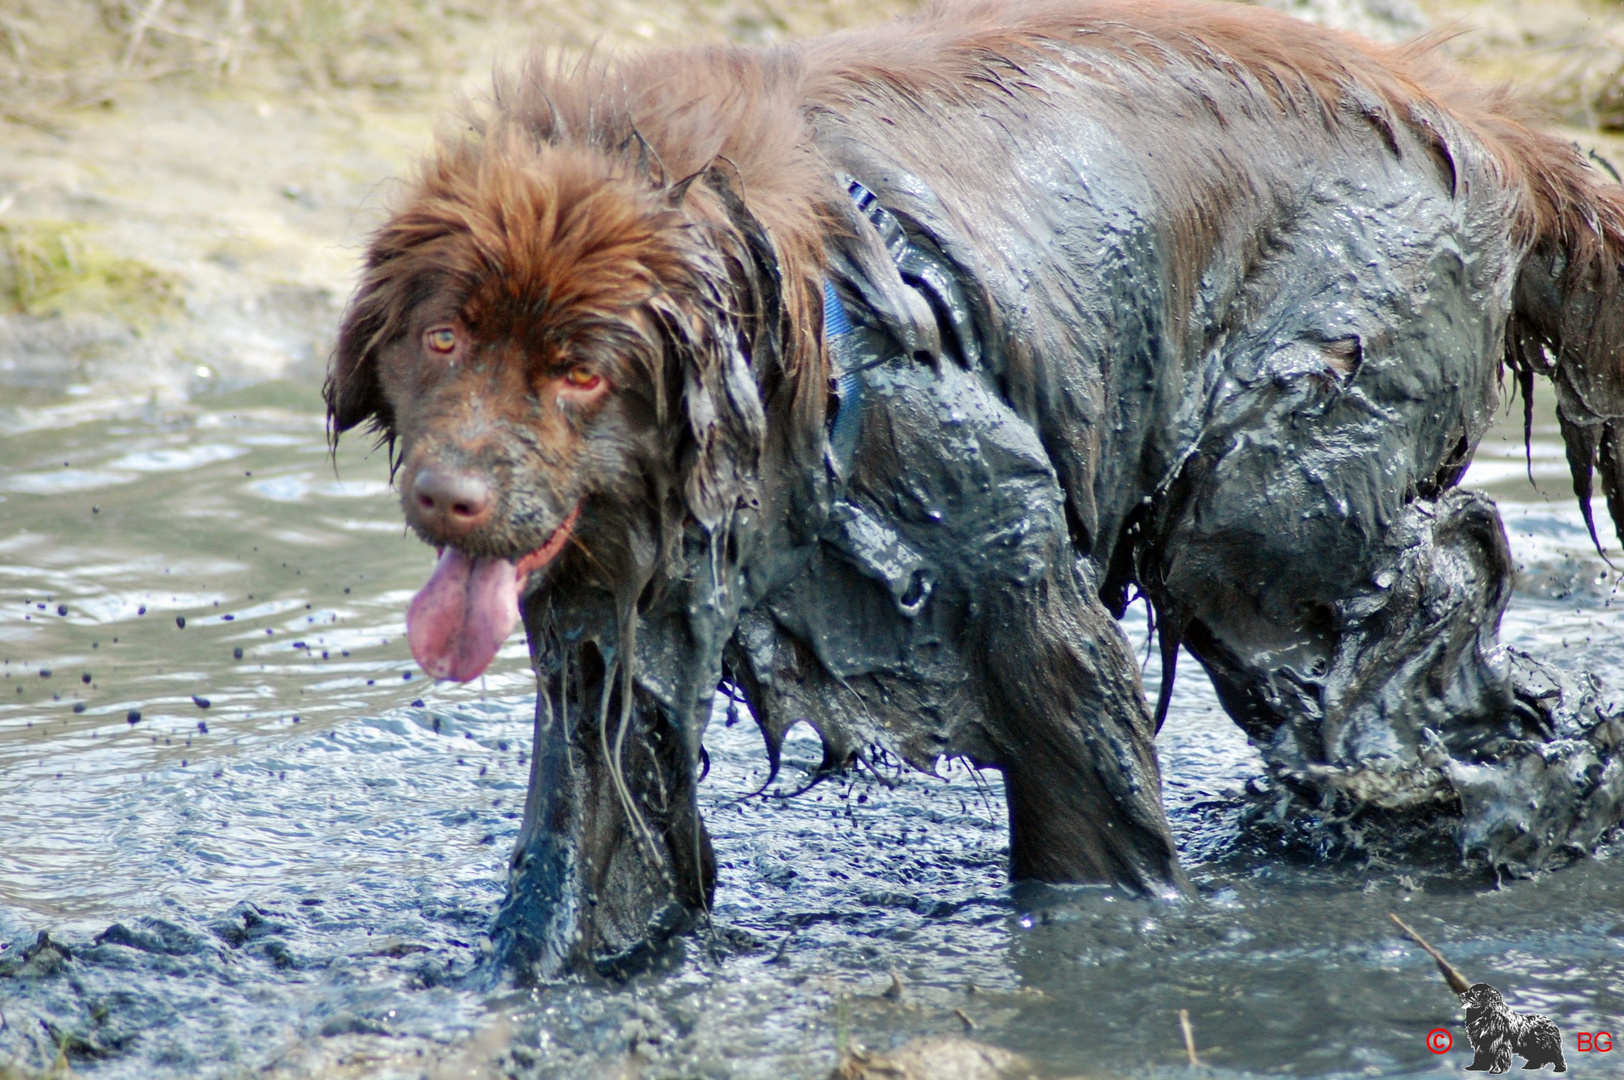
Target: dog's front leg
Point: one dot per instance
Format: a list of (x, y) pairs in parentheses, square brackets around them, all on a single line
[(538, 932), (1067, 714), (605, 871)]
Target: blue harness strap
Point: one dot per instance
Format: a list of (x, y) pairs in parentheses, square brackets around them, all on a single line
[(855, 347), (835, 322), (839, 335), (856, 534)]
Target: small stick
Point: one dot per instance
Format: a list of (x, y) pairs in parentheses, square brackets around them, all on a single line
[(1457, 982), (139, 31), (1189, 1038)]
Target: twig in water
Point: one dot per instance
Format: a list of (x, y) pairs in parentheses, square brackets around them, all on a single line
[(1189, 1038), (1457, 982)]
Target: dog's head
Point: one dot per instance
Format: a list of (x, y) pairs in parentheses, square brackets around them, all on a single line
[(556, 344), (1482, 995)]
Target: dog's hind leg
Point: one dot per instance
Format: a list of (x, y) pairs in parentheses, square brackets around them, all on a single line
[(1346, 603), (1360, 693), (1305, 540), (1540, 1041)]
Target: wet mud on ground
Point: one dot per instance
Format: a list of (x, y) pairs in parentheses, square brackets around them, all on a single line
[(305, 883), (261, 843)]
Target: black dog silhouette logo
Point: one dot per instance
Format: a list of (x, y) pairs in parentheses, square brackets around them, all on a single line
[(1497, 1032)]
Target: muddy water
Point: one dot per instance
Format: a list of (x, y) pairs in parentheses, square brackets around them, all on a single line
[(288, 843)]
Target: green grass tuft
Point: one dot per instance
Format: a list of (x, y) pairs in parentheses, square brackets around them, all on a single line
[(51, 269)]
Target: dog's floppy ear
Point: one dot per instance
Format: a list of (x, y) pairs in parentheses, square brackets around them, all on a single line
[(719, 390), (352, 390), (728, 428)]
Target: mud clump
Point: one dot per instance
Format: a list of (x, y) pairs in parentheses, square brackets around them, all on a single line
[(43, 958), (934, 1059)]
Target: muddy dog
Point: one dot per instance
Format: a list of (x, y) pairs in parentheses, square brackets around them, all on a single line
[(869, 376)]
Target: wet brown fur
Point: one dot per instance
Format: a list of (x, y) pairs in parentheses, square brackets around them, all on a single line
[(557, 207)]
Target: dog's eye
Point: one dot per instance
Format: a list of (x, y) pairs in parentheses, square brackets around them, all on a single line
[(442, 339), (581, 377)]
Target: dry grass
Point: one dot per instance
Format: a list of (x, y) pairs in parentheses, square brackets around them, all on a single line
[(63, 54), (1567, 55)]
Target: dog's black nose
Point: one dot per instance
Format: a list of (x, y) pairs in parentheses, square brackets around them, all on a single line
[(448, 503)]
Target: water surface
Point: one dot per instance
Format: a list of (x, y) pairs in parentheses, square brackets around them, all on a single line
[(217, 759)]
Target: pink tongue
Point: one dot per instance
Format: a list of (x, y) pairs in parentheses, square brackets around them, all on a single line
[(462, 614)]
